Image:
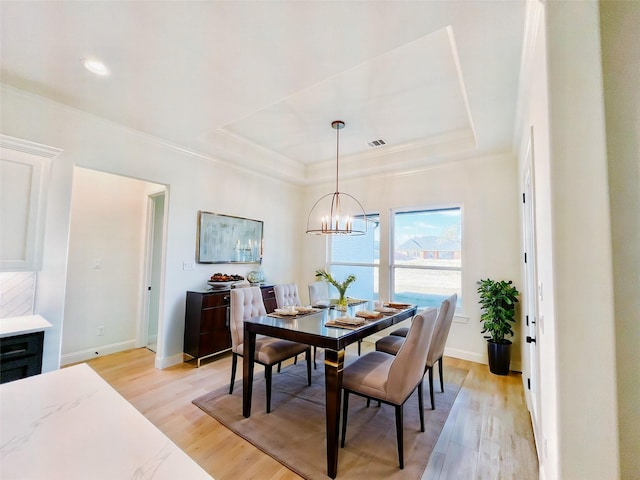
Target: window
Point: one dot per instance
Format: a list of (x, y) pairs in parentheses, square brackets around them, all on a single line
[(425, 261), (426, 265), (358, 255)]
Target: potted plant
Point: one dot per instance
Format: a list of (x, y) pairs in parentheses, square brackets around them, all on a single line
[(341, 287), (498, 303)]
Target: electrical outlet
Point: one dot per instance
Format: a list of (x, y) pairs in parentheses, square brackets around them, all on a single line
[(188, 266), (101, 330)]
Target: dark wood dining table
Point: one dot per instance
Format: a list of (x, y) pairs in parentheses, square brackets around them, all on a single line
[(311, 329)]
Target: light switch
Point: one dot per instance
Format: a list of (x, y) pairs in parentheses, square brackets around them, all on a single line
[(188, 266)]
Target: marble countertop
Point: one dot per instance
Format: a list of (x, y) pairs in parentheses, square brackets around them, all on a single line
[(21, 325), (71, 424)]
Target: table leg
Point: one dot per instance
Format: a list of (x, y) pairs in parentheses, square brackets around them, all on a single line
[(248, 357), (333, 365)]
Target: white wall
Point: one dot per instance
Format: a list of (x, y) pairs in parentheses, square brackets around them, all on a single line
[(194, 183), (487, 189), (620, 27)]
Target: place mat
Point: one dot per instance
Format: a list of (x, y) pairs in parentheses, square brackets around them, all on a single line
[(334, 324), (297, 315), (294, 432)]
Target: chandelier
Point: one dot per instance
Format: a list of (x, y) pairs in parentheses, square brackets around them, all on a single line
[(333, 213)]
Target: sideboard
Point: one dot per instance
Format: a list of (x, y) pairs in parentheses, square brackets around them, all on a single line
[(206, 325)]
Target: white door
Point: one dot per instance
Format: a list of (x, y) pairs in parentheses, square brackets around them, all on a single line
[(155, 268), (530, 297)]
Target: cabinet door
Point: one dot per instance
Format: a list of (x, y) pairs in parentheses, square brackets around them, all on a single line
[(215, 335)]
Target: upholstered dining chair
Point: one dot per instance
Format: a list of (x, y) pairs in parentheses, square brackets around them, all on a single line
[(392, 343), (319, 294), (391, 379), (287, 294), (246, 303)]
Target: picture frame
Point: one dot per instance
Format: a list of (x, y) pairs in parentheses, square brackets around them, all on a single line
[(228, 239)]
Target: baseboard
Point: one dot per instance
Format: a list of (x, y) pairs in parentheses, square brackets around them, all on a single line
[(167, 362), (99, 351), (466, 355)]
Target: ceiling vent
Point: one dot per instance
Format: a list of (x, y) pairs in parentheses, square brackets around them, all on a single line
[(377, 143)]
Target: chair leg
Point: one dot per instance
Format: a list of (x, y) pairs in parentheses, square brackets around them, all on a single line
[(359, 346), (307, 356), (421, 405), (234, 364), (440, 372), (399, 435), (345, 409), (267, 377), (315, 351), (433, 405)]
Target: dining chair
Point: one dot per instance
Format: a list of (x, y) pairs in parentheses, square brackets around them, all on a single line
[(319, 294), (391, 379), (287, 294), (391, 343), (247, 303)]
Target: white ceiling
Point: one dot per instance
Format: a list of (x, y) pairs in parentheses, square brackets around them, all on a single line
[(259, 83)]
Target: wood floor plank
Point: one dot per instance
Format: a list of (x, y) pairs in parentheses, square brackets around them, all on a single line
[(487, 434)]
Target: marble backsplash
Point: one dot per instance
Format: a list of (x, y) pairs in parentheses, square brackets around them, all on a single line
[(17, 293)]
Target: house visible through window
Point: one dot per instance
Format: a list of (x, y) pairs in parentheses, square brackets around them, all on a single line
[(426, 266)]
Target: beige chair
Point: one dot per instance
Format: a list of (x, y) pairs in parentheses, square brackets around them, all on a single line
[(287, 294), (391, 343), (247, 303), (319, 294), (392, 379), (319, 297)]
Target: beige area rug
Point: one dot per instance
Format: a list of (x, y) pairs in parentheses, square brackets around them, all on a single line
[(294, 432)]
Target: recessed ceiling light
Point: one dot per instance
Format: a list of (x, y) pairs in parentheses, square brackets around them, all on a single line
[(96, 66)]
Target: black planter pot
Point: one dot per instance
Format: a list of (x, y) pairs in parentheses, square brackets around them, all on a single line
[(499, 357)]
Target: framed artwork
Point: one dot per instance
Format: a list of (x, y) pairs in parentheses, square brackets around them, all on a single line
[(227, 239)]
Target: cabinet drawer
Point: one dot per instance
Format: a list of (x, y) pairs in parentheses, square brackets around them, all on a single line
[(20, 356), (216, 300), (21, 346)]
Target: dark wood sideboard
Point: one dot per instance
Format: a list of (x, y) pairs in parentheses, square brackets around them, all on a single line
[(206, 325)]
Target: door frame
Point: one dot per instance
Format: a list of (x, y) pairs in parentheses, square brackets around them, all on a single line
[(143, 326)]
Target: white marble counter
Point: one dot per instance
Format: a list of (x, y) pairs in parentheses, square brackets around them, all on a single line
[(21, 325), (70, 424)]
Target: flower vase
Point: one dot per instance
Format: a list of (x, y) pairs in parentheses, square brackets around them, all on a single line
[(342, 303)]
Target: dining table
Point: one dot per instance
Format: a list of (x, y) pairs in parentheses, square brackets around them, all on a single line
[(318, 328)]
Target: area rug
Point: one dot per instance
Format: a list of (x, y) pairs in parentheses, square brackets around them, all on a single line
[(294, 432)]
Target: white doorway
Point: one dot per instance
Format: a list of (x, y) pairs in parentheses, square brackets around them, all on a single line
[(106, 301)]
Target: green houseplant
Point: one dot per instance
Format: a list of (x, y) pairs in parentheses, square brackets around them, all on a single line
[(341, 287), (498, 303)]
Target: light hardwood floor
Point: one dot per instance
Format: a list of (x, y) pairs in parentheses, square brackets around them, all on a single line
[(487, 435)]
